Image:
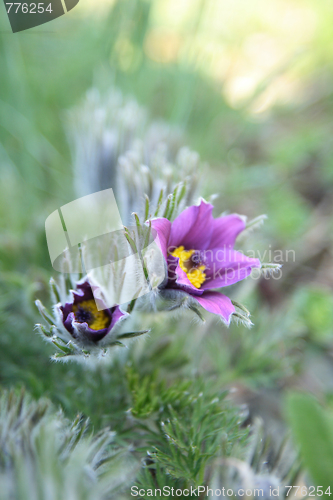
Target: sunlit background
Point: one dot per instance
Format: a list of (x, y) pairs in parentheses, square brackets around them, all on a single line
[(260, 54)]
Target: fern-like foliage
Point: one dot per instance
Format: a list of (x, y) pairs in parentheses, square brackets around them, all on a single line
[(185, 426)]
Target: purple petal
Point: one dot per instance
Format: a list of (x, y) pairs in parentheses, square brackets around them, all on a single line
[(88, 333), (225, 231), (73, 326), (216, 303), (225, 267), (83, 293), (68, 319), (193, 227), (183, 282), (162, 227), (117, 315), (95, 335)]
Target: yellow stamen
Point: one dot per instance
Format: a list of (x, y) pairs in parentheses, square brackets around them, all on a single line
[(87, 312), (195, 275)]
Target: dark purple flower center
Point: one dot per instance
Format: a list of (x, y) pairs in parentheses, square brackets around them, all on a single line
[(87, 312), (83, 315)]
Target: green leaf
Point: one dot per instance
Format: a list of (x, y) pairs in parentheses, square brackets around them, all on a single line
[(313, 433), (44, 312), (55, 291), (147, 205), (159, 203), (138, 223), (131, 334), (42, 330), (197, 311), (63, 348), (182, 193), (130, 240), (241, 307), (172, 203), (167, 207)]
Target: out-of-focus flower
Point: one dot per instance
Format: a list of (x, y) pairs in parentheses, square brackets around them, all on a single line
[(110, 126), (200, 256), (83, 320), (115, 145), (268, 464), (158, 187), (100, 129)]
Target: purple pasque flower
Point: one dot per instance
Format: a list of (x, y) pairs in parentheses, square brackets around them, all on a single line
[(83, 320), (200, 256)]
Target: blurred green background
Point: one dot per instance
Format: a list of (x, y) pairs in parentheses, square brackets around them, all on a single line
[(251, 84)]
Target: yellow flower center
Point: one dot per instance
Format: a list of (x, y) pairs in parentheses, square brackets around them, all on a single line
[(87, 312), (194, 271)]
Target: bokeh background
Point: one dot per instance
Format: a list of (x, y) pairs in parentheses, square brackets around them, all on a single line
[(250, 84)]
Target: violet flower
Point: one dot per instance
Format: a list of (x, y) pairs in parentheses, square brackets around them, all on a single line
[(83, 320), (200, 257)]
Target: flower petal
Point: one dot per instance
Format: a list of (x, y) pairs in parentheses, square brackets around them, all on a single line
[(117, 315), (82, 331), (225, 267), (193, 227), (225, 231), (68, 321), (95, 335), (216, 303), (87, 333), (163, 227)]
